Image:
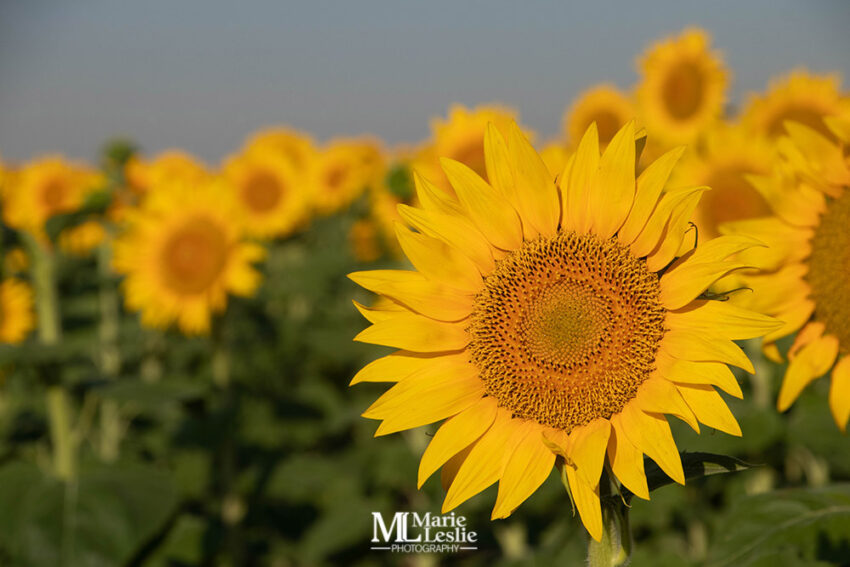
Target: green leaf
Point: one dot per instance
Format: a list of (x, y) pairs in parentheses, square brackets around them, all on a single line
[(150, 394), (805, 526), (103, 519), (695, 465)]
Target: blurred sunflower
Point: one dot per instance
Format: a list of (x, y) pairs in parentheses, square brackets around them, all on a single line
[(799, 97), (16, 311), (461, 137), (165, 168), (806, 261), (546, 320), (604, 104), (294, 146), (683, 88), (182, 253), (727, 158), (271, 195), (80, 240), (44, 188), (339, 174)]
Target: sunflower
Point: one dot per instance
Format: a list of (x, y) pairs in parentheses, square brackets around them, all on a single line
[(545, 321), (339, 174), (606, 106), (80, 240), (44, 188), (16, 311), (799, 97), (168, 167), (295, 147), (271, 195), (461, 137), (728, 157), (804, 275), (683, 87), (182, 254)]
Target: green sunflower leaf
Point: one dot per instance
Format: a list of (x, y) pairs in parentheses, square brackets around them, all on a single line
[(803, 526)]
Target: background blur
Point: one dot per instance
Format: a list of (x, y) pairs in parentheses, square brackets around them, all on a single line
[(201, 75), (244, 445)]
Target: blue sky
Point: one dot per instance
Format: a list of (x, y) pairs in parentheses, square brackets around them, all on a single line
[(201, 75)]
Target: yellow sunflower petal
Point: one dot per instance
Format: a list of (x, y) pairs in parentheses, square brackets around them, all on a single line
[(535, 189), (411, 289), (659, 395), (578, 182), (374, 315), (455, 435), (587, 448), (735, 322), (812, 361), (527, 468), (682, 285), (710, 408), (498, 164), (454, 230), (491, 212), (410, 331), (438, 261), (691, 372), (614, 195), (432, 198), (433, 396), (449, 470), (839, 392), (654, 229), (486, 461), (651, 434), (649, 186), (626, 460), (586, 497), (689, 345), (673, 238), (392, 368)]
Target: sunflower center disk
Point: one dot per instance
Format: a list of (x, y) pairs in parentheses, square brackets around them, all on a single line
[(566, 329), (262, 192), (829, 268), (194, 256), (683, 90)]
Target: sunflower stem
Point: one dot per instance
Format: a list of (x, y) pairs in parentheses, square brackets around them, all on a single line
[(615, 547), (110, 355), (50, 334), (232, 508)]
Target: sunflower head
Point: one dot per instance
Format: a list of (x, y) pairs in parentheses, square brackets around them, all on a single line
[(341, 172), (82, 239), (16, 311), (297, 148), (798, 97), (182, 254), (803, 278), (546, 320), (270, 193), (168, 167), (606, 105), (44, 188), (729, 156), (683, 87), (460, 136)]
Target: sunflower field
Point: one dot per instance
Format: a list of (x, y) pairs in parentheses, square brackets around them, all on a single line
[(627, 345)]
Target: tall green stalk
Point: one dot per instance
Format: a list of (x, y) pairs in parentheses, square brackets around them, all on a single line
[(50, 334), (109, 354)]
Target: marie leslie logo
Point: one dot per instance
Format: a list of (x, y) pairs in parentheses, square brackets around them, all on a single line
[(409, 532)]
